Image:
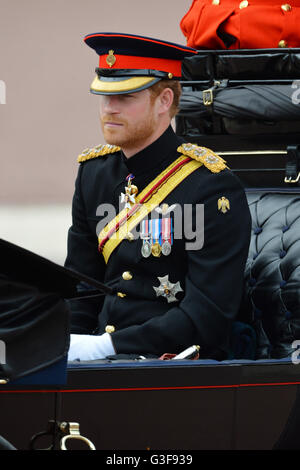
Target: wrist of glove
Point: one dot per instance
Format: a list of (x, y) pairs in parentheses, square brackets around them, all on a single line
[(90, 347)]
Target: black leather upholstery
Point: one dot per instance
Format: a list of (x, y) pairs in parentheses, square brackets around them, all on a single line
[(245, 64), (272, 275), (232, 72)]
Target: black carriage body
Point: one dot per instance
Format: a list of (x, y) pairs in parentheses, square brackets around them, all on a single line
[(192, 405)]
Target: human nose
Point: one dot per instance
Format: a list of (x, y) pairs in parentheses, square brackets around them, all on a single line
[(109, 104)]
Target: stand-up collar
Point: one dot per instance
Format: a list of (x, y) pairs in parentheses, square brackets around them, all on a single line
[(161, 150)]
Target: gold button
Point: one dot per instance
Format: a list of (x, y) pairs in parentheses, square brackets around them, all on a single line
[(282, 43), (120, 294), (215, 2), (110, 329), (286, 7), (127, 276), (244, 4)]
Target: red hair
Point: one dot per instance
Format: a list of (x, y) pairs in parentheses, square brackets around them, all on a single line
[(175, 86)]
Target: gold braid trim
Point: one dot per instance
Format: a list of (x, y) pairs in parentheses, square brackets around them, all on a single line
[(146, 207), (98, 151), (211, 160)]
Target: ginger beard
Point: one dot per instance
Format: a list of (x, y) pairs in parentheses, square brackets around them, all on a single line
[(133, 124)]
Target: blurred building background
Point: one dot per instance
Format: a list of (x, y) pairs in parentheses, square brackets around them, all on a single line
[(48, 116)]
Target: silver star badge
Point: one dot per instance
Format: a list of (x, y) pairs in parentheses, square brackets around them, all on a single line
[(167, 289), (128, 199)]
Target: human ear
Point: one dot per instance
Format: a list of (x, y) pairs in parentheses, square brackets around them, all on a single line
[(166, 100)]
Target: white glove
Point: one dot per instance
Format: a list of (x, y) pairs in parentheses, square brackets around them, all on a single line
[(90, 347)]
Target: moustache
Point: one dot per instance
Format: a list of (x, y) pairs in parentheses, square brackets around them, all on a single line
[(105, 119)]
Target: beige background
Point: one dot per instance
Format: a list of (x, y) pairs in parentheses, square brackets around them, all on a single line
[(49, 116)]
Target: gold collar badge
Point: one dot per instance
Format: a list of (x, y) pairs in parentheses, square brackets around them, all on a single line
[(223, 204)]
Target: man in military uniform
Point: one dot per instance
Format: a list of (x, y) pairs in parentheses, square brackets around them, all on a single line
[(164, 223), (242, 24)]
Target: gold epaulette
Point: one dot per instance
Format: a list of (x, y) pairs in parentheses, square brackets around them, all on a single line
[(211, 160), (98, 151)]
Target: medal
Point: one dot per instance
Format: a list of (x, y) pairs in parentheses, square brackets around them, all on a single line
[(128, 199), (157, 237), (156, 249), (166, 248), (130, 192), (167, 289), (146, 247), (166, 236), (155, 232)]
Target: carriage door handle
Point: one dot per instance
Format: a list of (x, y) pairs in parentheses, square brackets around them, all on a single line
[(73, 433)]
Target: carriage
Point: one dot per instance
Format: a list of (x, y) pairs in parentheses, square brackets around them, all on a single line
[(244, 105)]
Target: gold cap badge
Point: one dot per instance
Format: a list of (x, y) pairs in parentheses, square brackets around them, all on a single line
[(111, 59)]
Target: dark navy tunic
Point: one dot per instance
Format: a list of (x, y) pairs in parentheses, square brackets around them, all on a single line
[(211, 277)]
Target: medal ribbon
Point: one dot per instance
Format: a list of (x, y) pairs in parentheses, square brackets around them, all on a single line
[(166, 229), (145, 230), (155, 230)]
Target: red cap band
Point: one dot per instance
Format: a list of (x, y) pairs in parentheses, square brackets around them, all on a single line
[(149, 63)]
